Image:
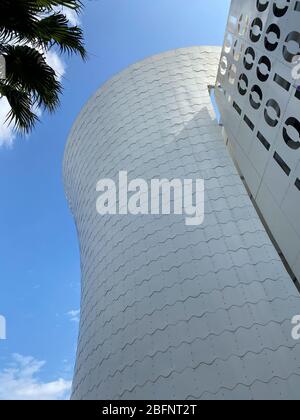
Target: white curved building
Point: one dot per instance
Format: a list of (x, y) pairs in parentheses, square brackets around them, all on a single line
[(171, 311)]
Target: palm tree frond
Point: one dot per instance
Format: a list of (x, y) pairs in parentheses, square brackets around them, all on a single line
[(27, 68), (28, 30), (55, 29), (71, 4), (17, 19), (21, 114)]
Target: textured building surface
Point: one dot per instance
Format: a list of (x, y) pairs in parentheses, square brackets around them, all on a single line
[(170, 311), (258, 93)]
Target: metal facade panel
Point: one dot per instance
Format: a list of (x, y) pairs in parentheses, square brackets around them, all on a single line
[(259, 100)]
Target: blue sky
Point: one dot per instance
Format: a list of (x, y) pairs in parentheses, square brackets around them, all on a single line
[(39, 258)]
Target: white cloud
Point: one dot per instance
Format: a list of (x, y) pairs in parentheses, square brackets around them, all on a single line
[(74, 315), (20, 381), (7, 134), (71, 15), (56, 63)]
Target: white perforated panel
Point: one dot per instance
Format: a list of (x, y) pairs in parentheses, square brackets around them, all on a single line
[(259, 100)]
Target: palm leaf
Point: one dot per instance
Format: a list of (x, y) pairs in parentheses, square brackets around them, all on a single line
[(54, 29), (27, 29), (71, 4), (21, 113), (26, 69), (17, 19)]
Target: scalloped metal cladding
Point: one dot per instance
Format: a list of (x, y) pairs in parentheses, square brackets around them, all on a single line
[(170, 311), (258, 95)]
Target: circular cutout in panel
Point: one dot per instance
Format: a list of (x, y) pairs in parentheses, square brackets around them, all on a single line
[(256, 30), (256, 93), (292, 122), (262, 6), (232, 73), (264, 68), (228, 43), (272, 37), (223, 65), (249, 54), (287, 53), (281, 11), (274, 106), (243, 84)]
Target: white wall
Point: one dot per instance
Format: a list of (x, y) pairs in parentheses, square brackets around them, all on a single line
[(253, 68)]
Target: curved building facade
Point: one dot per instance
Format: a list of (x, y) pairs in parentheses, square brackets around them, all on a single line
[(170, 311)]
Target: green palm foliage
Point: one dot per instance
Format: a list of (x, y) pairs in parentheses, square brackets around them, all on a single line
[(28, 29)]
